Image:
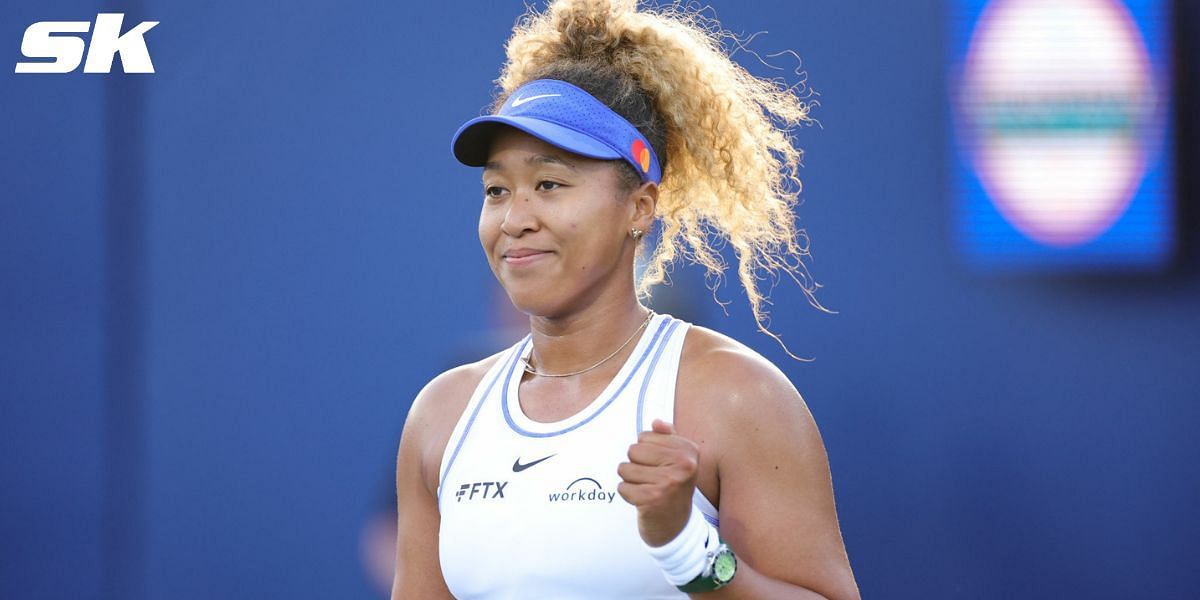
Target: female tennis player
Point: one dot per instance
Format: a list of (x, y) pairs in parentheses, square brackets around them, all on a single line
[(615, 452)]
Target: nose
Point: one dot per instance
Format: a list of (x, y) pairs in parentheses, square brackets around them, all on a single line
[(521, 216)]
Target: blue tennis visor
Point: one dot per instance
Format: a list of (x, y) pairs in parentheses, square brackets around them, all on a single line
[(564, 116)]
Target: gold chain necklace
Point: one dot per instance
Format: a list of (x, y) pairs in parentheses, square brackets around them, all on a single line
[(530, 369)]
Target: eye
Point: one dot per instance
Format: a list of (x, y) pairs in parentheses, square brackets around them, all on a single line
[(550, 183), (492, 191)]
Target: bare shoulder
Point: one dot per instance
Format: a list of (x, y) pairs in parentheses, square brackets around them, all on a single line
[(436, 410), (771, 471), (719, 376), (732, 400)]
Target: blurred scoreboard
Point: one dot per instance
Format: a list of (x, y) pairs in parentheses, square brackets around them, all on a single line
[(1062, 146)]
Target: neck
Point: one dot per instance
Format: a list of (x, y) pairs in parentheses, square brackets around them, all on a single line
[(577, 341)]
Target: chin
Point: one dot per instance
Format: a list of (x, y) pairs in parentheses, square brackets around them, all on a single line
[(536, 301)]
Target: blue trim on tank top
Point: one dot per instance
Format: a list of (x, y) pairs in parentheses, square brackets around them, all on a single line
[(471, 421), (641, 405), (533, 434), (646, 382)]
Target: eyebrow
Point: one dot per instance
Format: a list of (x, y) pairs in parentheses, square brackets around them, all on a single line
[(545, 159)]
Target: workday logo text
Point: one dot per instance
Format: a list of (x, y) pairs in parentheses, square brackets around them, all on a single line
[(48, 39), (584, 490)]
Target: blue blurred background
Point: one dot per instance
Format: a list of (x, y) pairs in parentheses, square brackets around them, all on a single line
[(223, 284)]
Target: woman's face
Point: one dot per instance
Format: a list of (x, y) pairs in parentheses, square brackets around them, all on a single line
[(555, 225)]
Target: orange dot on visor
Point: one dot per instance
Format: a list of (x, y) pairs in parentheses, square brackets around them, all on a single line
[(642, 154)]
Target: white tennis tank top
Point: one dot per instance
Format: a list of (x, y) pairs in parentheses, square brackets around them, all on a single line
[(530, 509)]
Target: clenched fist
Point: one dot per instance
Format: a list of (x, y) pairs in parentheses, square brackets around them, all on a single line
[(659, 480)]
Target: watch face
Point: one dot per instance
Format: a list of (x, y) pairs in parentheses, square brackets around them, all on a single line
[(724, 566)]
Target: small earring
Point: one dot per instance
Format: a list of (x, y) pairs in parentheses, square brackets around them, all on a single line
[(636, 233)]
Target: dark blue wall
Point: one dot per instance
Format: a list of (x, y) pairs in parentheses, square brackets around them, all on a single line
[(224, 283), (53, 297)]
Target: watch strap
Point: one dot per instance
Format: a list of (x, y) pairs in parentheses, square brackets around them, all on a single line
[(707, 580)]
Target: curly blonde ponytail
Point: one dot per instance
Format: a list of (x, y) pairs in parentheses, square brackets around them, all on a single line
[(730, 168)]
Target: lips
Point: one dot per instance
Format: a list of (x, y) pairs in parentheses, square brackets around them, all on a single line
[(523, 256), (522, 252)]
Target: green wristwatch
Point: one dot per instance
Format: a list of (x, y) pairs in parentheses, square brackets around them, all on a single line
[(717, 573)]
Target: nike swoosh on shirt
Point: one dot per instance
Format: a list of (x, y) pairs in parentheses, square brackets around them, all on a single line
[(518, 467), (519, 101)]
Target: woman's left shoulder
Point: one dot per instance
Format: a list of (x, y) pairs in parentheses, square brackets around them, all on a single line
[(763, 460), (731, 384)]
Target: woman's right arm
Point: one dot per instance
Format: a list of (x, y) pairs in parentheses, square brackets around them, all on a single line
[(427, 429)]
